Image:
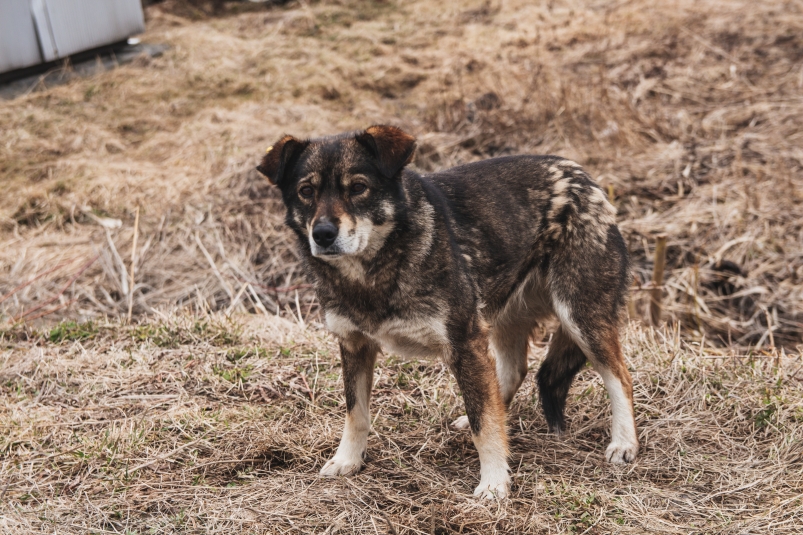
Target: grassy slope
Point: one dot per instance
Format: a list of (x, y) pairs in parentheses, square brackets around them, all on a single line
[(191, 425), (688, 111)]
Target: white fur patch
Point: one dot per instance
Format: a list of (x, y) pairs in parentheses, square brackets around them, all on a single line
[(605, 212), (349, 455), (494, 471), (355, 243), (556, 172), (351, 239), (423, 336), (594, 214), (461, 423), (624, 441), (339, 325), (563, 312)]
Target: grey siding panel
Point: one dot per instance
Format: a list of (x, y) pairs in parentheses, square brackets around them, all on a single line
[(18, 44), (33, 31), (78, 25), (47, 45)]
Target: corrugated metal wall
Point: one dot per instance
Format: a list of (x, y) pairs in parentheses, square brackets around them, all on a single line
[(77, 25), (33, 31), (18, 44)]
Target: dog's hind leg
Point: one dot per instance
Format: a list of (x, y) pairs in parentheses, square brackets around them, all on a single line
[(588, 281), (598, 338), (473, 368), (358, 355), (610, 364), (605, 353), (564, 359)]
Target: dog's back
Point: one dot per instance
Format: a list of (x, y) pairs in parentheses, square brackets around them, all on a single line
[(513, 214)]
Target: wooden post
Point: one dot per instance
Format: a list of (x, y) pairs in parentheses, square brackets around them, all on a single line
[(658, 279), (631, 302)]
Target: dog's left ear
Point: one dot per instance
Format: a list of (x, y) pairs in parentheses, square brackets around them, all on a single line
[(280, 158), (392, 147)]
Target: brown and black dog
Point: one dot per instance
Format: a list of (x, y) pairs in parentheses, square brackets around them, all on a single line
[(460, 264)]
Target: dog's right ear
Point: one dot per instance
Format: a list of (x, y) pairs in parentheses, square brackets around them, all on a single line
[(280, 158)]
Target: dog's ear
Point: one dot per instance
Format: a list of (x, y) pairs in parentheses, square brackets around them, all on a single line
[(392, 147), (280, 158)]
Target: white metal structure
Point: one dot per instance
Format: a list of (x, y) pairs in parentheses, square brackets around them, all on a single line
[(37, 31)]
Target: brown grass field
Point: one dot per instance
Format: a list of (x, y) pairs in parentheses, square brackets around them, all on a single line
[(214, 407)]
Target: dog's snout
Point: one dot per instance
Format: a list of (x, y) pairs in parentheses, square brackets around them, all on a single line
[(324, 233)]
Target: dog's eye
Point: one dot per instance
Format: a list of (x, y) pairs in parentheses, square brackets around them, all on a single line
[(358, 187), (306, 191)]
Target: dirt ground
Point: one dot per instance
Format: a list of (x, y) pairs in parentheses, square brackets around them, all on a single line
[(214, 407)]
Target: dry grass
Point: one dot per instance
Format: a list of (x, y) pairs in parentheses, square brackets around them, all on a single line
[(201, 425), (689, 111)]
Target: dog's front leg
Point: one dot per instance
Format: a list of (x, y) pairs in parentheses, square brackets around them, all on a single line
[(476, 376), (358, 355)]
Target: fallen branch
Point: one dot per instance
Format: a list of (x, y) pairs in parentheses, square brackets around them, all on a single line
[(52, 310), (26, 284), (61, 292)]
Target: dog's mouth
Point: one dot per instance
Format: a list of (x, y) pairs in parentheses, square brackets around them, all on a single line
[(327, 253)]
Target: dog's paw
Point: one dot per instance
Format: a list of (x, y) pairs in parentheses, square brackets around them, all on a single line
[(621, 452), (493, 489), (461, 423), (341, 466)]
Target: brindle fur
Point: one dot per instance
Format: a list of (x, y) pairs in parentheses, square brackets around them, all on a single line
[(461, 264)]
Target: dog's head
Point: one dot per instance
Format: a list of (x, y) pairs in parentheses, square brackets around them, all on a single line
[(342, 193)]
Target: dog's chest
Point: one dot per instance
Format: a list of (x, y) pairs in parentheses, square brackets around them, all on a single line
[(416, 336)]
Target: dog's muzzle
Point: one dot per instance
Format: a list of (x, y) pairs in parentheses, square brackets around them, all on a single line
[(324, 233)]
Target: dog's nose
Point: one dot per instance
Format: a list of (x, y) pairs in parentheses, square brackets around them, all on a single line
[(324, 233)]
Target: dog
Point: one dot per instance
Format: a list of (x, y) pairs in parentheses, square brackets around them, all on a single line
[(460, 264)]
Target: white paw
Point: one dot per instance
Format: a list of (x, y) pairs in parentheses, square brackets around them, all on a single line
[(461, 423), (341, 466), (621, 452), (490, 490)]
